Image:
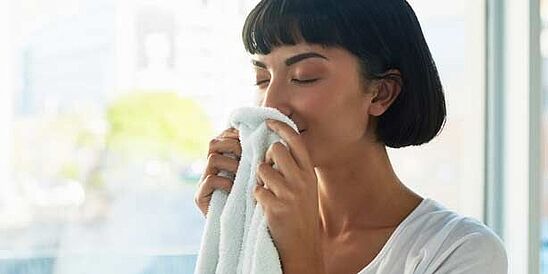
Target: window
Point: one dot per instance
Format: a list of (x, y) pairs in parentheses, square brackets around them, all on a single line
[(544, 136), (451, 169), (111, 107)]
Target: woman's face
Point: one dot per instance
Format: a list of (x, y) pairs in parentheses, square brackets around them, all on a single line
[(320, 89)]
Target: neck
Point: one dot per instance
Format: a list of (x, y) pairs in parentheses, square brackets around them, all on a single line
[(359, 190)]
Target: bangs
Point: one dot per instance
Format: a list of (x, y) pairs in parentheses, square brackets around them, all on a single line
[(274, 23)]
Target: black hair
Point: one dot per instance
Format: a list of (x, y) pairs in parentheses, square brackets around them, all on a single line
[(382, 34)]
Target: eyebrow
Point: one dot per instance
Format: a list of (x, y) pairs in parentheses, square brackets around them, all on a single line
[(294, 59)]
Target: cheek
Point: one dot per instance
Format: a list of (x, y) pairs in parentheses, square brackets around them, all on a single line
[(325, 98), (340, 118)]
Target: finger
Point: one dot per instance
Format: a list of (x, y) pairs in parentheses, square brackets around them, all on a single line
[(264, 197), (213, 182), (271, 179), (225, 145), (280, 155), (296, 145), (234, 130), (202, 198), (217, 162), (230, 132)]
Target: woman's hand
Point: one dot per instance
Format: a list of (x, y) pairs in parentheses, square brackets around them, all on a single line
[(289, 198), (227, 142)]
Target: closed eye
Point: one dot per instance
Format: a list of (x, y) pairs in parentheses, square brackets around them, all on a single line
[(304, 81), (307, 81), (261, 82)]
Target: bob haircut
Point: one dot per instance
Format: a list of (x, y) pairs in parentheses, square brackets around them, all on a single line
[(382, 34)]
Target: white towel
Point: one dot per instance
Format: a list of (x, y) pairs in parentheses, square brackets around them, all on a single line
[(236, 237)]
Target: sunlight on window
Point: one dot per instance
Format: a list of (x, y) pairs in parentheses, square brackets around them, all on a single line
[(113, 104), (451, 167), (544, 136)]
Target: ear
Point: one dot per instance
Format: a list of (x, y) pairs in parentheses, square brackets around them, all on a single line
[(385, 91)]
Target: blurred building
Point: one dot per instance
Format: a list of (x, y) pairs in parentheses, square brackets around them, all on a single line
[(107, 48)]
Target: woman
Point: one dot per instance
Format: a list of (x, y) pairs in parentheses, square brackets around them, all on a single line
[(355, 76)]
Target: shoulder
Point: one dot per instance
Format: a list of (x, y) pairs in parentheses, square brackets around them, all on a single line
[(471, 248), (475, 237), (460, 244), (436, 240)]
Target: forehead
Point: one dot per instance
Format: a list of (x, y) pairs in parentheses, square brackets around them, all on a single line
[(336, 56), (285, 51)]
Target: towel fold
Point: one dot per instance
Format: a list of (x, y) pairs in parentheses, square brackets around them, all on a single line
[(236, 237)]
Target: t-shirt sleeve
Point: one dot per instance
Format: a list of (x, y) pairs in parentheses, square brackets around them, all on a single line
[(477, 252)]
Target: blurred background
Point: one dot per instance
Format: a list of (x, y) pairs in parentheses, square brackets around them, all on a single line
[(107, 108)]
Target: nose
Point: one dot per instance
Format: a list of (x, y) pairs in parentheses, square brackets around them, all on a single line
[(276, 96)]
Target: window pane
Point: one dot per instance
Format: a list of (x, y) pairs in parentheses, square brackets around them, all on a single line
[(544, 136), (114, 103), (451, 167)]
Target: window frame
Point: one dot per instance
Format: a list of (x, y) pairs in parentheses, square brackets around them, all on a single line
[(513, 130)]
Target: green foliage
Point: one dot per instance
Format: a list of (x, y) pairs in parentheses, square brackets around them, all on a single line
[(161, 123), (70, 171)]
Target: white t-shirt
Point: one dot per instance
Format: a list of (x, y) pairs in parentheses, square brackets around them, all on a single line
[(434, 239)]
